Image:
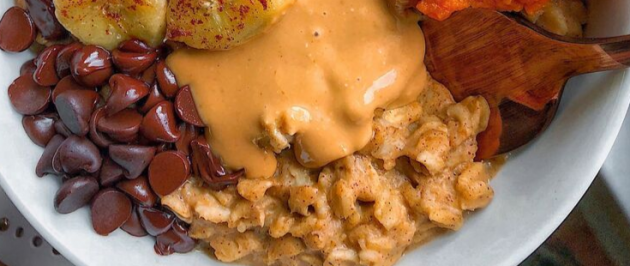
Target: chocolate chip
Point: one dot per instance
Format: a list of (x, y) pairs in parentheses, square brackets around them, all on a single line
[(91, 66), (28, 68), (132, 62), (162, 147), (75, 193), (28, 97), (110, 173), (123, 126), (148, 76), (65, 84), (64, 58), (168, 171), (75, 109), (133, 226), (125, 91), (96, 136), (62, 129), (110, 210), (43, 14), (56, 163), (189, 133), (207, 166), (78, 154), (134, 159), (40, 128), (135, 46), (166, 79), (174, 240), (45, 164), (155, 97), (17, 30), (186, 108), (169, 46), (155, 221), (159, 123), (46, 72), (139, 190)]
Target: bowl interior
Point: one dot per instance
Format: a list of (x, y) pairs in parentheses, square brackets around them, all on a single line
[(535, 190)]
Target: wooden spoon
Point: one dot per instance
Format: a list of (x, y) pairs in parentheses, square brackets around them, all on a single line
[(518, 67)]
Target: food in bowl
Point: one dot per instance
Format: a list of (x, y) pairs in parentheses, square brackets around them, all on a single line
[(325, 140)]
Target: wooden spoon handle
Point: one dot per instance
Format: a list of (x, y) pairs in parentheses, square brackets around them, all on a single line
[(618, 51), (597, 54), (587, 55)]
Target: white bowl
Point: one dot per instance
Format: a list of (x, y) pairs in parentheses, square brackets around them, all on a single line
[(535, 191)]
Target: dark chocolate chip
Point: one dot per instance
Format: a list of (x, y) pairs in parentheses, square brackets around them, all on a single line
[(155, 97), (159, 124), (122, 126), (75, 109), (189, 133), (28, 68), (134, 159), (61, 128), (110, 173), (168, 171), (45, 164), (75, 193), (162, 147), (43, 14), (207, 166), (17, 30), (97, 137), (133, 225), (91, 66), (166, 79), (135, 46), (174, 240), (46, 72), (139, 190), (28, 97), (56, 163), (125, 91), (155, 221), (77, 154), (131, 62), (110, 210), (148, 76), (186, 108), (64, 58), (65, 84), (40, 128)]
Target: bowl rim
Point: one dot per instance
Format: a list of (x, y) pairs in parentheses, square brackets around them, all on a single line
[(528, 246)]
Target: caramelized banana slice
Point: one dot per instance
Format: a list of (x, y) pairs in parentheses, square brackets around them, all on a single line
[(221, 24), (109, 22)]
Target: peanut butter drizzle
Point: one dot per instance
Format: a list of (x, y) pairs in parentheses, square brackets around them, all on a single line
[(319, 74)]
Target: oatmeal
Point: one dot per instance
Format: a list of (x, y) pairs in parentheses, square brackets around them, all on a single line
[(415, 178)]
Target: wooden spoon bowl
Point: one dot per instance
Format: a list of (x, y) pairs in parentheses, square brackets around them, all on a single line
[(518, 67)]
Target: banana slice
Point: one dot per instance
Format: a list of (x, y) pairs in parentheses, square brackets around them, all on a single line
[(221, 24), (109, 22)]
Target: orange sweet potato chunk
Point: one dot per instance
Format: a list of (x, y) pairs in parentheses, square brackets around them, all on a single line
[(442, 9)]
